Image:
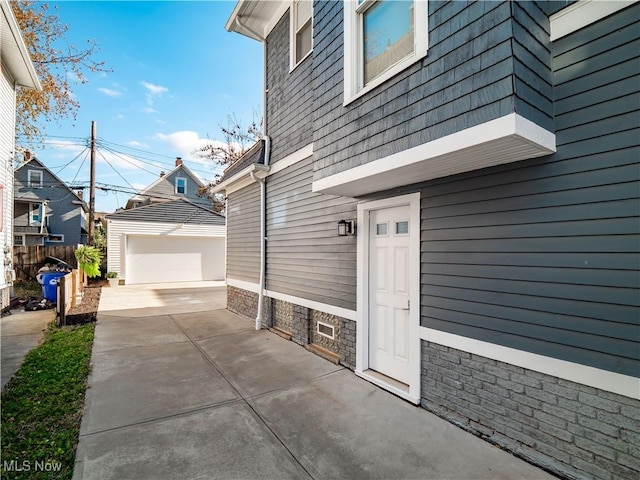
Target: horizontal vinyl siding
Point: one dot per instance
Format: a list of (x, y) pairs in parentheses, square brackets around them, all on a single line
[(467, 78), (289, 95), (543, 257), (118, 230), (7, 136), (305, 256), (243, 234)]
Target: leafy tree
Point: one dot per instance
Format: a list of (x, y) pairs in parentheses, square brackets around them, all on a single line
[(237, 139), (57, 67)]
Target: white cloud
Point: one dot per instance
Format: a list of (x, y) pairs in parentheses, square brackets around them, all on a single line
[(184, 142), (156, 90), (110, 92), (150, 110), (137, 144)]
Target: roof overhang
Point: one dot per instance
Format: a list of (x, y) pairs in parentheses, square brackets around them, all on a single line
[(14, 51), (242, 178), (256, 18), (504, 140)]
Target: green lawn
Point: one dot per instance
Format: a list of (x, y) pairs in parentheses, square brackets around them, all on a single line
[(42, 406)]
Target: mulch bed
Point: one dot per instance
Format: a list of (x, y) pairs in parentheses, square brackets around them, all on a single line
[(87, 310)]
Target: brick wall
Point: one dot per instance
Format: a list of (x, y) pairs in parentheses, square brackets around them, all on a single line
[(283, 315), (330, 344), (347, 343), (245, 303), (570, 429)]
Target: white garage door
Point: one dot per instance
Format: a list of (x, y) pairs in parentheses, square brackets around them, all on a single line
[(174, 259)]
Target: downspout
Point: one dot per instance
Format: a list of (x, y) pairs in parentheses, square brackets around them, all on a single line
[(262, 181), (263, 231)]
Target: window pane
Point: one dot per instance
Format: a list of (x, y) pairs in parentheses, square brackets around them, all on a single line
[(402, 228), (381, 229), (388, 36), (303, 41)]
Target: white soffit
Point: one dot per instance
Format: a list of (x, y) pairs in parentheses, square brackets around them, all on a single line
[(14, 51), (507, 139)]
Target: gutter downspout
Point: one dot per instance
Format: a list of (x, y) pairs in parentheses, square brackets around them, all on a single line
[(263, 231), (263, 191)]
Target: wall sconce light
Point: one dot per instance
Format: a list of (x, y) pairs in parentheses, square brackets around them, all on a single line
[(346, 227)]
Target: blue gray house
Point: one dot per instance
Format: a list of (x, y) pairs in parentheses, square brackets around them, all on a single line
[(46, 210), (447, 202)]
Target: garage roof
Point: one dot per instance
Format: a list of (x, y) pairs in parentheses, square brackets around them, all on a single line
[(176, 211)]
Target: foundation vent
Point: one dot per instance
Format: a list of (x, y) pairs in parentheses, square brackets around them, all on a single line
[(327, 330)]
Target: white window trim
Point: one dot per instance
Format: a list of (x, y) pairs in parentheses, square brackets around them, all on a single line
[(582, 14), (353, 50), (33, 184), (176, 186), (292, 37), (362, 311), (31, 210), (55, 235), (22, 243)]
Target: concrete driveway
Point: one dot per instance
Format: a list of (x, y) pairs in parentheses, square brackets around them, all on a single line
[(183, 389), (19, 333)]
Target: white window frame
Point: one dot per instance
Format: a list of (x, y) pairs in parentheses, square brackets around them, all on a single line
[(23, 240), (30, 181), (292, 35), (55, 235), (354, 48), (31, 210), (185, 186)]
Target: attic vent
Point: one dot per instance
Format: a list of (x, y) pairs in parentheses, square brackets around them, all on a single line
[(326, 330)]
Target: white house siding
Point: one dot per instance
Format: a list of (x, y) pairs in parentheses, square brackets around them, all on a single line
[(118, 230), (7, 146)]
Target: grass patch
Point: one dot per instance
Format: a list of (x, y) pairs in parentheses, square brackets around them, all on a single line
[(42, 406)]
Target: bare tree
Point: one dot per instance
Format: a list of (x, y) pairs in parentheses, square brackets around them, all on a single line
[(237, 139)]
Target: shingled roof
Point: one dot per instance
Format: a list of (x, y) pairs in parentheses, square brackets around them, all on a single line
[(176, 211), (255, 154)]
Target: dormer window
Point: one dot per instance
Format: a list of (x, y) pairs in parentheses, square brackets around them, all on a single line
[(34, 178), (181, 185), (301, 31), (381, 38)]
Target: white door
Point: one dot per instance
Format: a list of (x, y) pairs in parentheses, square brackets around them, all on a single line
[(389, 292), (174, 259)]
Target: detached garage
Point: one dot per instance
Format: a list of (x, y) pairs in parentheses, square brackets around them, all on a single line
[(175, 241)]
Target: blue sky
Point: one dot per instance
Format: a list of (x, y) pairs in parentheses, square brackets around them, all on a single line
[(176, 76)]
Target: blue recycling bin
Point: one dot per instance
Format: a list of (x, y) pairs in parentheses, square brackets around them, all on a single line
[(50, 285)]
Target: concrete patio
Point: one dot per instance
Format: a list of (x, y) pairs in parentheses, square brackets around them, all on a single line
[(182, 388)]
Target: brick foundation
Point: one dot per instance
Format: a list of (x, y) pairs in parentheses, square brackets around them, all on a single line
[(301, 322), (570, 429)]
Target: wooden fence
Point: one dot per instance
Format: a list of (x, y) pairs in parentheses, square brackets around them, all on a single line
[(68, 291), (27, 260)]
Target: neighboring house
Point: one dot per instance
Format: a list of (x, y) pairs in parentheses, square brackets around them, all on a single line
[(455, 216), (46, 210), (16, 70), (175, 241), (178, 183)]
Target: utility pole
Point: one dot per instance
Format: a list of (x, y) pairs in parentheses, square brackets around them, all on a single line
[(92, 184)]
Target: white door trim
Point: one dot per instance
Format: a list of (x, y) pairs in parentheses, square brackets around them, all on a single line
[(362, 319)]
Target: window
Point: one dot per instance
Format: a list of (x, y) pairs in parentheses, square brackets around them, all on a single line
[(35, 178), (18, 240), (181, 185), (34, 214), (381, 38), (402, 228), (381, 229), (301, 30), (52, 238)]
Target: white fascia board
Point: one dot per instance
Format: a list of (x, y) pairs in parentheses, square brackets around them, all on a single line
[(255, 19), (313, 305), (243, 285), (506, 139), (242, 178), (582, 14), (575, 372)]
